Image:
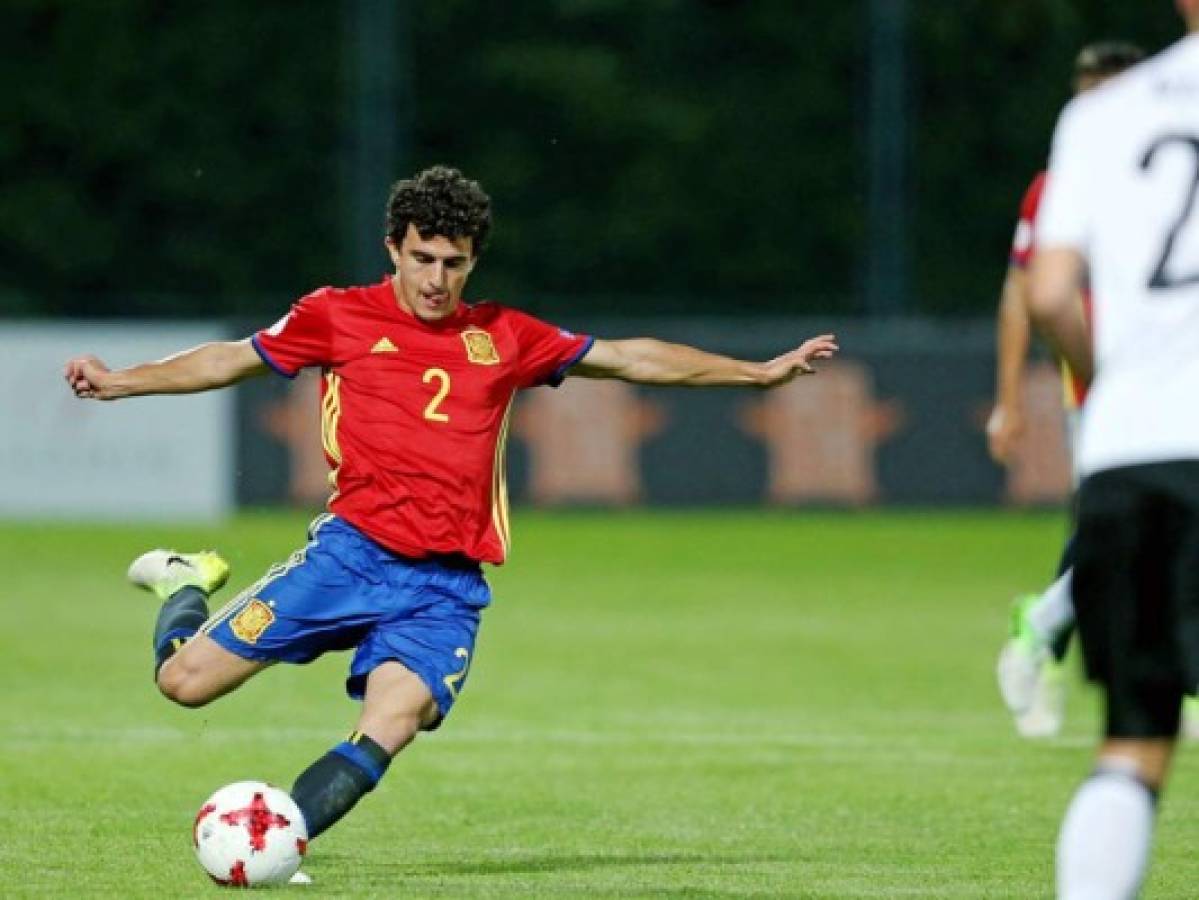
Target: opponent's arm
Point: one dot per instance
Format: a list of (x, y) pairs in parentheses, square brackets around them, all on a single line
[(1057, 276), (1006, 422), (201, 368), (650, 361)]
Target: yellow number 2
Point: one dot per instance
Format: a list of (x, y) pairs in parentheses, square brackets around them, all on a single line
[(453, 680), (443, 378)]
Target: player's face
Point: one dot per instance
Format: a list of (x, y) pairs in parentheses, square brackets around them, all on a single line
[(430, 273)]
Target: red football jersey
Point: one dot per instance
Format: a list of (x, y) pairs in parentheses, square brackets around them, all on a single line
[(1074, 391), (414, 415), (1025, 237)]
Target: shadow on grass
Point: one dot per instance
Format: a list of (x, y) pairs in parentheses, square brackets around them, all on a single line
[(579, 862), (534, 863)]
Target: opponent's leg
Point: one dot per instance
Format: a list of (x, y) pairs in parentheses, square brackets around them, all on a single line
[(1030, 671), (1135, 588), (396, 706), (1031, 681), (1056, 611), (1051, 617), (1104, 843), (1103, 848)]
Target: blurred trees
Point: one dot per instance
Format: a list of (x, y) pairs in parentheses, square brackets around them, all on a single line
[(991, 77), (165, 157), (644, 155)]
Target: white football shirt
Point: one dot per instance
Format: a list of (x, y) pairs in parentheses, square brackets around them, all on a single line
[(1123, 190)]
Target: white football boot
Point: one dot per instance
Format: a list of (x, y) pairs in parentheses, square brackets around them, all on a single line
[(1031, 682), (1047, 713), (163, 572)]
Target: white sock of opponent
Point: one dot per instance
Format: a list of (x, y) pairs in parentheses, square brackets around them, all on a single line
[(1103, 848), (1053, 613)]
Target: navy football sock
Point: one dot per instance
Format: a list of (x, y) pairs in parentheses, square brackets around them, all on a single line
[(329, 788), (180, 617)]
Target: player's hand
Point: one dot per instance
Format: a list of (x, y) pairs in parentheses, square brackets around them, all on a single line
[(799, 361), (1005, 427), (89, 378)]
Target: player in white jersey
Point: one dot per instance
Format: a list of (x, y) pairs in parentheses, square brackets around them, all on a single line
[(1121, 205)]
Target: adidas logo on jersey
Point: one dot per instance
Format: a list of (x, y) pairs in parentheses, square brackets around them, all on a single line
[(385, 346)]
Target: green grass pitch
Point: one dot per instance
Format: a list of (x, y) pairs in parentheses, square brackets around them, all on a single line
[(662, 704)]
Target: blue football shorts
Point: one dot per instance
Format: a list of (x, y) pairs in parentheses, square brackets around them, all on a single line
[(343, 591)]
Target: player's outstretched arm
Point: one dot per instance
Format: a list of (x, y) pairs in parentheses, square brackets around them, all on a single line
[(202, 368), (1006, 422), (650, 361)]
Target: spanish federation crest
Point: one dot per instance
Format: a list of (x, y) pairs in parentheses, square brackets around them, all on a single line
[(249, 624), (480, 349)]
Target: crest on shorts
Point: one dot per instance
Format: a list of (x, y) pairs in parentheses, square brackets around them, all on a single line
[(249, 624), (480, 348)]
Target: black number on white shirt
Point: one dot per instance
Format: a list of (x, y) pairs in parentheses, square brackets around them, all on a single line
[(1161, 278)]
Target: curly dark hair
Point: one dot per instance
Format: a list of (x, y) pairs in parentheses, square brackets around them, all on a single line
[(440, 201), (1105, 58)]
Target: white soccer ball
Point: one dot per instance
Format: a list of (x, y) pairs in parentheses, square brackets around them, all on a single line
[(248, 834)]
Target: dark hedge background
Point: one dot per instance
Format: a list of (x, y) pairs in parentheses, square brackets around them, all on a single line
[(645, 156)]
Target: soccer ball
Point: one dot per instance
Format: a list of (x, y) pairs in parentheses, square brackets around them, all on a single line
[(249, 833)]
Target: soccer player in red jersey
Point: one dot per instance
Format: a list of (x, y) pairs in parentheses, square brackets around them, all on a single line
[(417, 385), (1031, 678), (1094, 64)]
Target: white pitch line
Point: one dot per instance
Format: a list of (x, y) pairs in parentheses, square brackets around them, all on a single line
[(24, 737)]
